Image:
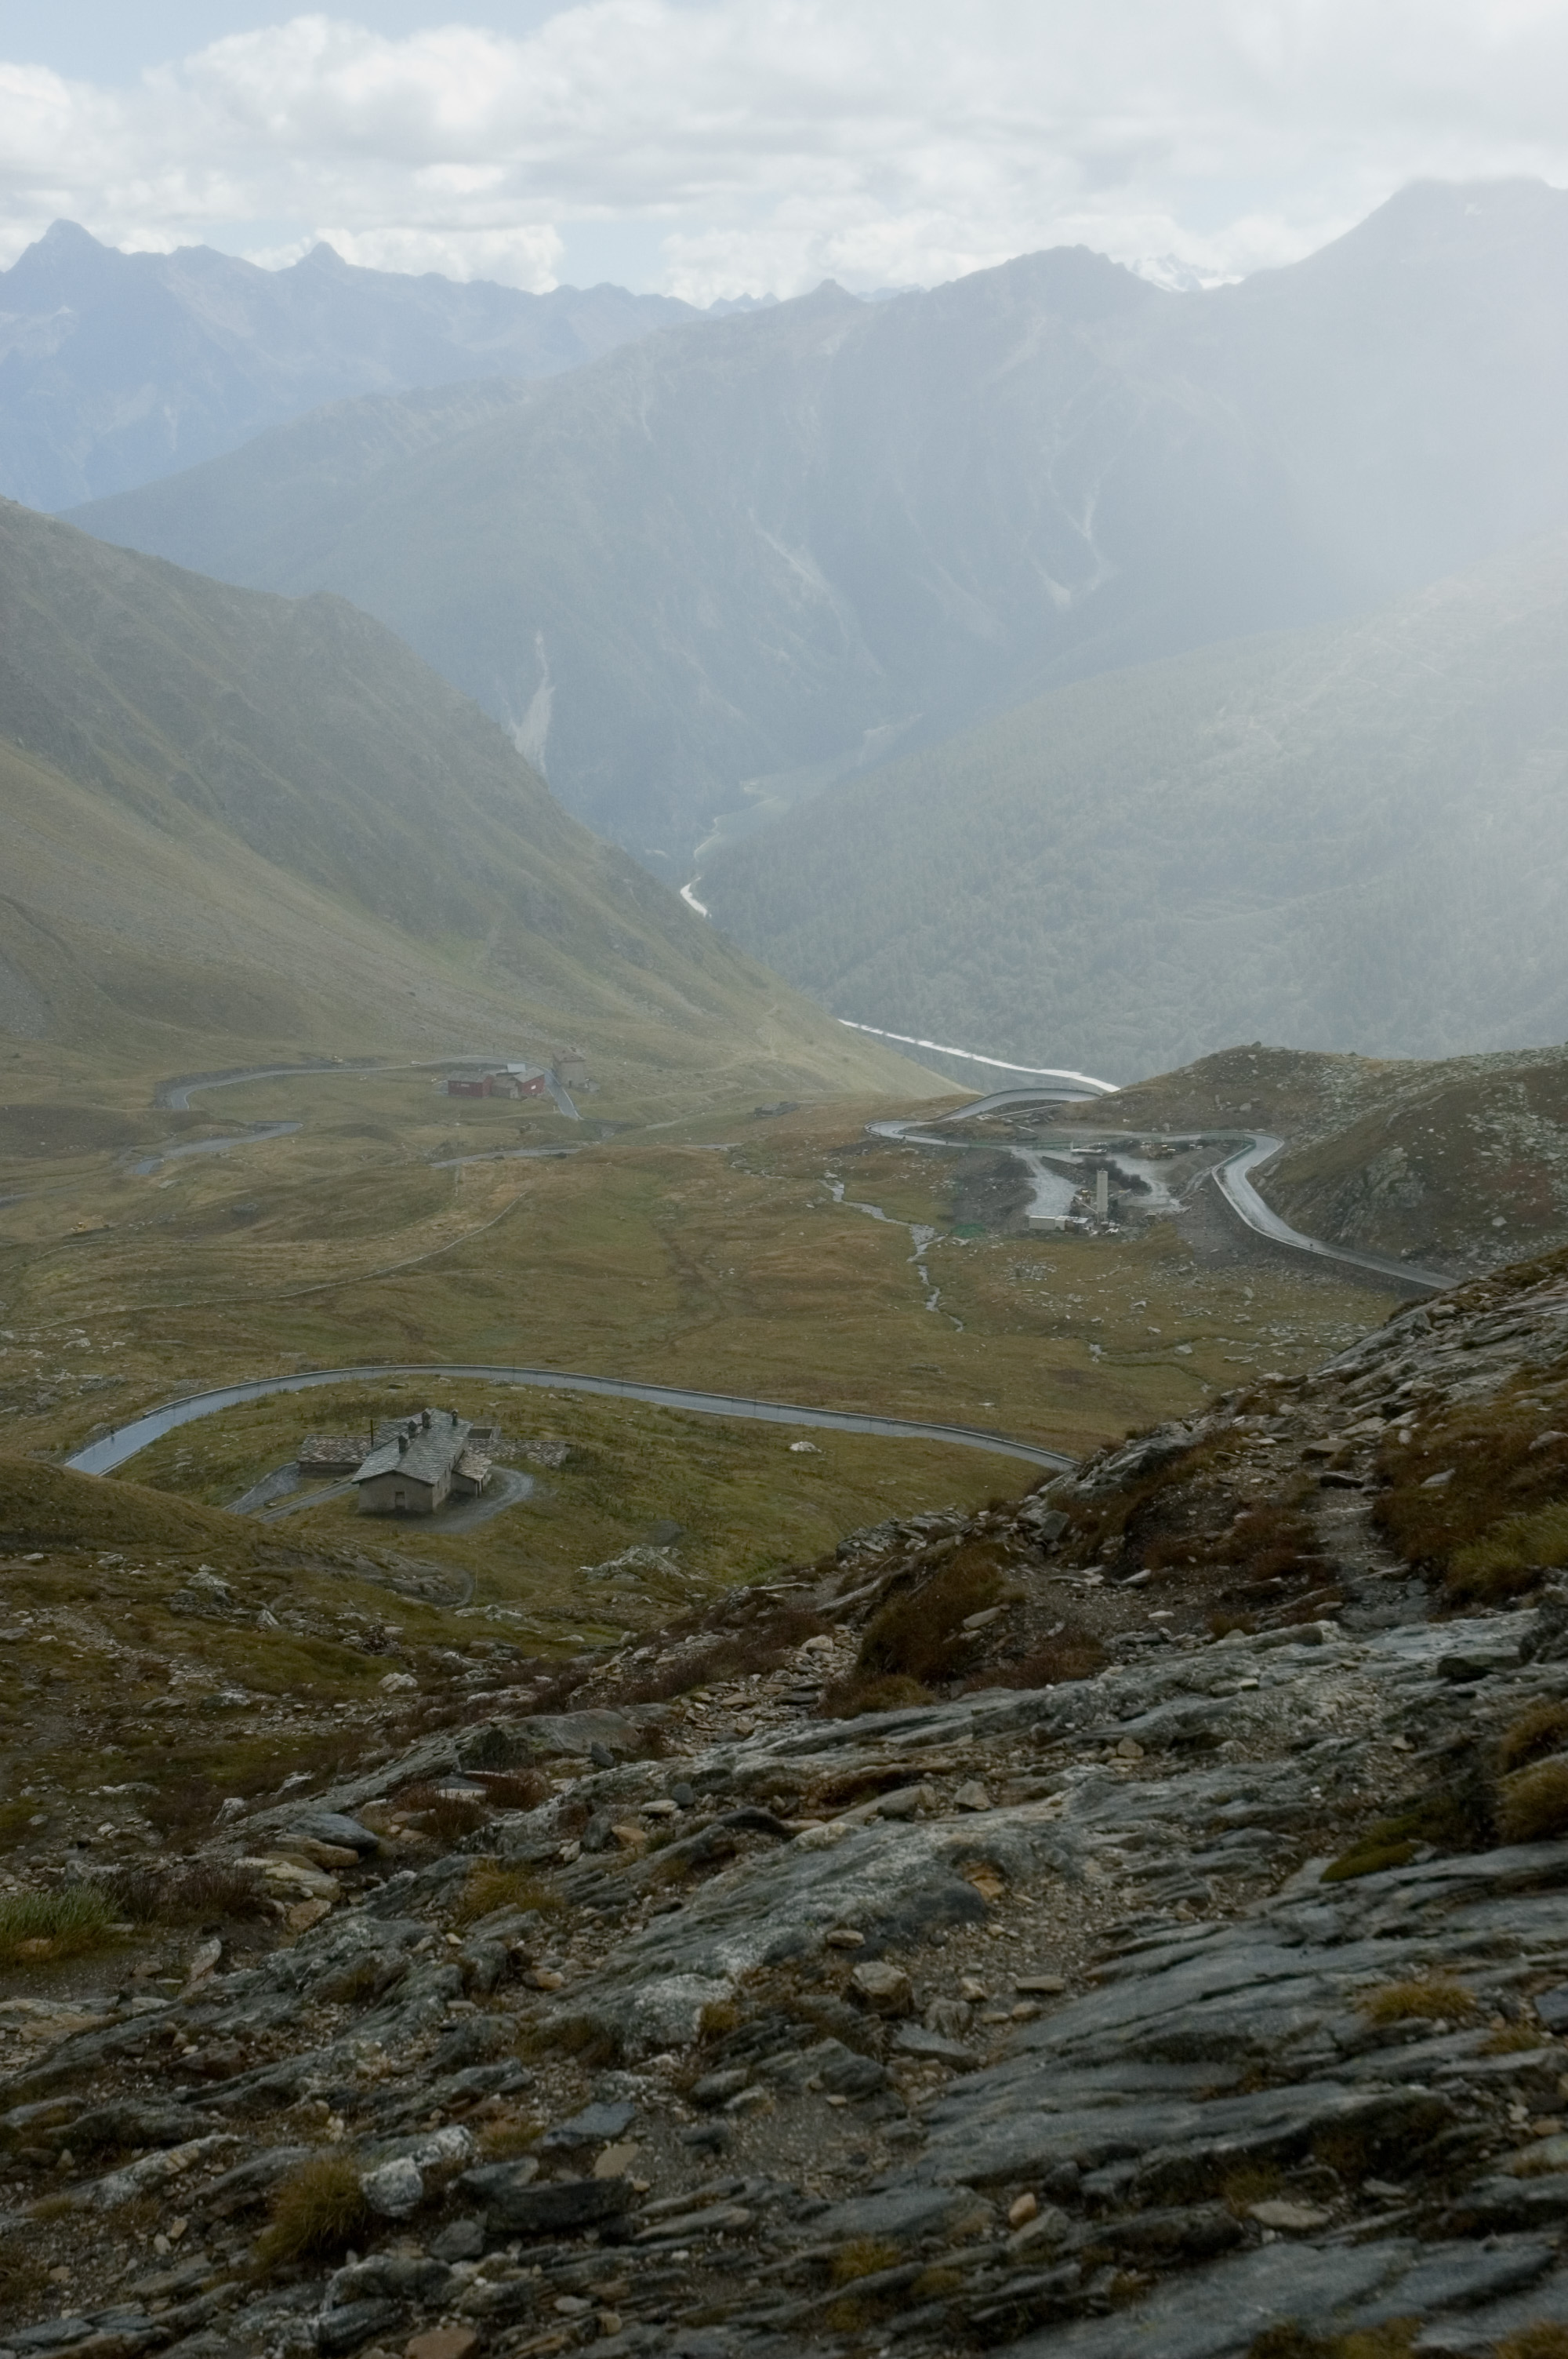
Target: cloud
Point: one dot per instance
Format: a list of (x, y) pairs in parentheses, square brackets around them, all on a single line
[(774, 143)]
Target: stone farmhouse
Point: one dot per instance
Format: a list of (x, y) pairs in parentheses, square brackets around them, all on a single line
[(419, 1463)]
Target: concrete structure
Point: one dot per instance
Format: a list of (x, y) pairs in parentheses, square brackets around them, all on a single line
[(571, 1070), (419, 1463)]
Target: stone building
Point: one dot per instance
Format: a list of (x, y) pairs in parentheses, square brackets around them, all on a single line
[(420, 1463)]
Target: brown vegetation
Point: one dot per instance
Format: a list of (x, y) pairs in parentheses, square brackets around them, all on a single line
[(1436, 1996), (316, 2211), (1533, 1804), (1540, 1730)]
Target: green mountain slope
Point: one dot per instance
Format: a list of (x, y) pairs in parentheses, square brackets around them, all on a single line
[(1355, 837), (237, 825)]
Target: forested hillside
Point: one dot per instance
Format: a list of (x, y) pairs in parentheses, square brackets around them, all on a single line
[(1351, 838)]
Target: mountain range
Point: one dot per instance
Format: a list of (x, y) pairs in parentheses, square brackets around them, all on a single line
[(730, 564), (115, 368), (1354, 837), (240, 826)]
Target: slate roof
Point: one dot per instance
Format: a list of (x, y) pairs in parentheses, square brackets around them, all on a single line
[(431, 1453)]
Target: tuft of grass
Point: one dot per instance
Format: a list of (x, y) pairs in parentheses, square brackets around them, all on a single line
[(40, 1928), (1533, 1804), (1436, 1996), (1514, 2039), (1393, 2340), (505, 2140), (863, 2256), (935, 2284), (1546, 2340), (1254, 2182), (1540, 1730), (316, 2211), (490, 1886), (1512, 1557)]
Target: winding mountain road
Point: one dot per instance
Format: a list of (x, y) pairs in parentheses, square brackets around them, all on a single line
[(113, 1449), (1231, 1175)]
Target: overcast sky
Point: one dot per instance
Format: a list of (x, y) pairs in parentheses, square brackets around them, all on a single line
[(713, 147)]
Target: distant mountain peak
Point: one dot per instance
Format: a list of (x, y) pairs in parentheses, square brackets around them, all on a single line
[(68, 237)]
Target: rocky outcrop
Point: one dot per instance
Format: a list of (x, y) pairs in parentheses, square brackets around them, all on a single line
[(1217, 1992)]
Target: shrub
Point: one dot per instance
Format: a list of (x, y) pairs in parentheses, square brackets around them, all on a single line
[(1273, 1541), (1071, 1654), (1438, 1997), (206, 1891), (1542, 1729), (515, 1789), (1454, 1815), (37, 1928), (764, 1640), (316, 2211), (23, 2274), (490, 1886), (447, 1816), (1533, 1805), (848, 1698), (919, 1633), (185, 1806)]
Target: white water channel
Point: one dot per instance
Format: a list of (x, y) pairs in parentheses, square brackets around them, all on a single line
[(922, 1237)]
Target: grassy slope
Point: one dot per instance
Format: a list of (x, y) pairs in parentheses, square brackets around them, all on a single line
[(1348, 837), (1460, 1164), (241, 828)]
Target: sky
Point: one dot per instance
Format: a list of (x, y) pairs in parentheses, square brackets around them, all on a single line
[(713, 148)]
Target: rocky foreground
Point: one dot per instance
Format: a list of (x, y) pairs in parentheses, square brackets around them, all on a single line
[(1176, 1963)]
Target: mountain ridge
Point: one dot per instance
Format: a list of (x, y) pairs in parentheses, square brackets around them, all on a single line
[(730, 558), (117, 367)]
